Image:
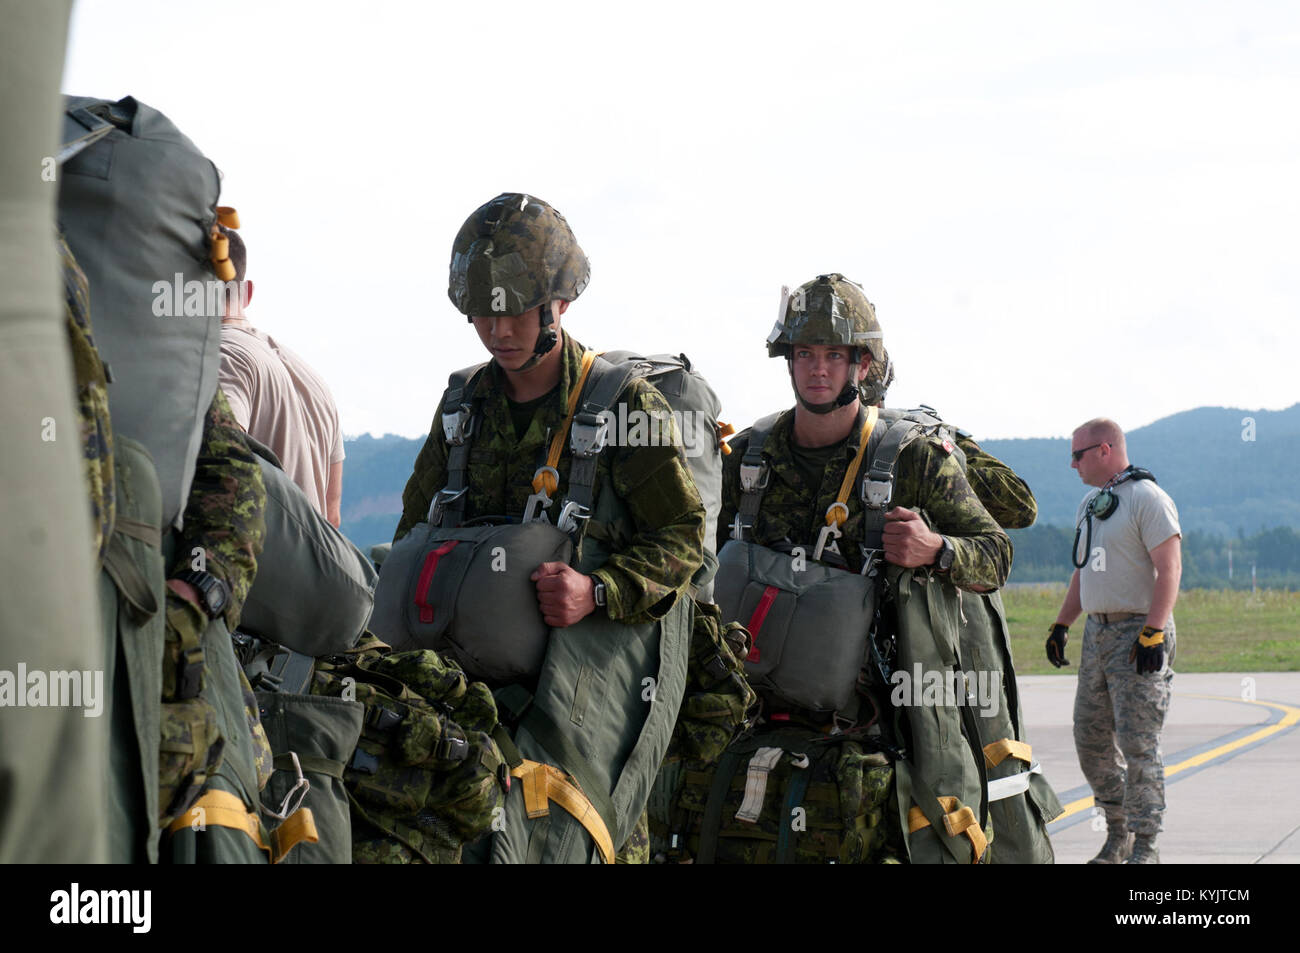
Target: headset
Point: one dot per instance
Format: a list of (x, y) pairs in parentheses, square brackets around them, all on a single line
[(1103, 507)]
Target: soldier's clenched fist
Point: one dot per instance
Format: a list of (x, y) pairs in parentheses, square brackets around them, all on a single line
[(565, 595), (908, 541)]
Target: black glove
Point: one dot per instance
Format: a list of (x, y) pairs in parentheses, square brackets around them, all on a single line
[(1056, 640), (1149, 650)]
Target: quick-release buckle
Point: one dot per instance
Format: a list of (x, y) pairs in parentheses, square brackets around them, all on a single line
[(383, 719), (871, 559), (457, 426), (441, 500), (588, 434), (738, 527), (452, 747), (751, 474), (877, 493), (571, 513), (189, 673)]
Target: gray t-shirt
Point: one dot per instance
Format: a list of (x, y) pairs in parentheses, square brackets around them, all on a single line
[(1119, 575)]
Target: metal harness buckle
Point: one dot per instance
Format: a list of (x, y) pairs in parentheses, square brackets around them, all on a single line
[(829, 532), (877, 493), (588, 434), (738, 528), (870, 561), (570, 514), (441, 500), (457, 426), (751, 474)]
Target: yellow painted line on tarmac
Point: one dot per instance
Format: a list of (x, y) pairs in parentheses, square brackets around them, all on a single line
[(1290, 717)]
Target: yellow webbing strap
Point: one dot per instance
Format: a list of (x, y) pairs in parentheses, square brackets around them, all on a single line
[(995, 752), (227, 216), (223, 809), (838, 511), (957, 819), (545, 480), (544, 783)]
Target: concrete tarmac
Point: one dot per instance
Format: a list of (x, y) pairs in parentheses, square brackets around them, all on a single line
[(1232, 764)]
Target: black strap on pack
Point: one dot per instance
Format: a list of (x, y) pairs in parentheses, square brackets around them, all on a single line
[(461, 413), (876, 482), (589, 435), (755, 475)]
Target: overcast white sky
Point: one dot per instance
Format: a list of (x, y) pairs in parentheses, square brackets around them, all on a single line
[(1060, 210)]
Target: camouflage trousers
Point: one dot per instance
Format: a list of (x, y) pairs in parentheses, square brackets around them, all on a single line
[(1118, 716)]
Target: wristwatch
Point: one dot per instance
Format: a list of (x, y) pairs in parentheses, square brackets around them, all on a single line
[(943, 562), (213, 592), (598, 593)]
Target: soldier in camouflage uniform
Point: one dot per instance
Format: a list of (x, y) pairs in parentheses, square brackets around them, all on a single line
[(515, 268), (1127, 586), (831, 344)]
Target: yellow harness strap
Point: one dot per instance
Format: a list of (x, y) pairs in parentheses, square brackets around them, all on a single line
[(545, 480), (544, 783), (995, 752), (957, 819), (219, 245), (725, 431), (838, 511), (223, 809)]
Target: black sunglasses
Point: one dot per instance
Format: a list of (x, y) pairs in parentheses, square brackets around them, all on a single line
[(1077, 455)]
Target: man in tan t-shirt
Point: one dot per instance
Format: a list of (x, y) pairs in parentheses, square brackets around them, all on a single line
[(280, 400), (1128, 550)]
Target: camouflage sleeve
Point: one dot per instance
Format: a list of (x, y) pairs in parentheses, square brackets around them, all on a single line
[(643, 579), (932, 479), (428, 477), (1007, 497), (225, 514)]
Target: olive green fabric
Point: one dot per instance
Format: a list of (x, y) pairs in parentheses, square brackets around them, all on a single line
[(132, 595), (322, 732), (314, 589), (52, 760), (1020, 820), (136, 207), (941, 750)]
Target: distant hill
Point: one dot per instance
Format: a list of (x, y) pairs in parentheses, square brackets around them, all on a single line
[(1223, 485)]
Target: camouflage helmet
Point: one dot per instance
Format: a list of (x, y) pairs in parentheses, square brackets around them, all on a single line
[(829, 310), (513, 254)]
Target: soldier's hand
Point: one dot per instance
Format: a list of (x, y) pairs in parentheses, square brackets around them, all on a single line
[(1056, 640), (564, 594), (908, 541), (1149, 650)]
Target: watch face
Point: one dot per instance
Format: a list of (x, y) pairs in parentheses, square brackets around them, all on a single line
[(946, 555), (216, 598)]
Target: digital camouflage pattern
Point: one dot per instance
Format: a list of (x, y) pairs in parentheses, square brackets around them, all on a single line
[(927, 478), (92, 402), (1118, 717), (830, 310), (225, 513), (427, 775), (512, 254), (662, 549), (846, 815), (1004, 494)]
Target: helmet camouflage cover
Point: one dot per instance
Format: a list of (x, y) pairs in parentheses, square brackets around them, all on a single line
[(829, 310), (513, 254)]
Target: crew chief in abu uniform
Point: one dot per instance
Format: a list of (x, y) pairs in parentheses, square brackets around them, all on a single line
[(1128, 584), (515, 269)]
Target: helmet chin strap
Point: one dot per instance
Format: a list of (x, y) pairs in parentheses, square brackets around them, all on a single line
[(847, 396), (546, 340)]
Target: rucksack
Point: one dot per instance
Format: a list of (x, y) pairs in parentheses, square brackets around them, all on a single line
[(426, 776)]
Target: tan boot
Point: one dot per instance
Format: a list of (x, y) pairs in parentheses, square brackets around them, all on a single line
[(1144, 850), (1118, 846)]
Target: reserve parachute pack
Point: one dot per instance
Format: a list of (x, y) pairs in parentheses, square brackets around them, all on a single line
[(828, 716), (589, 738), (314, 589)]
